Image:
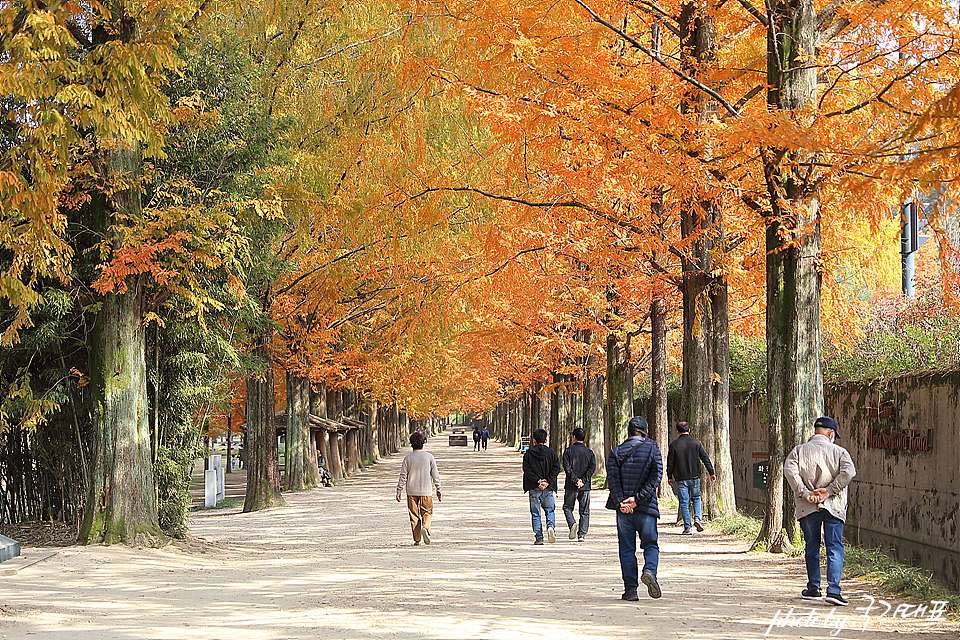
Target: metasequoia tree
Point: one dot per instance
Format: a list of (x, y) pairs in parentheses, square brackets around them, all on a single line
[(703, 284), (48, 56), (564, 104), (358, 297), (84, 87), (586, 142), (869, 95), (167, 231), (843, 84), (311, 79)]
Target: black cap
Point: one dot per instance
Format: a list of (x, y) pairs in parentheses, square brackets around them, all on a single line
[(826, 422), (637, 424)]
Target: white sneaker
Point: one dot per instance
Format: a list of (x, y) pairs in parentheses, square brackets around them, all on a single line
[(426, 536), (551, 535), (573, 531)]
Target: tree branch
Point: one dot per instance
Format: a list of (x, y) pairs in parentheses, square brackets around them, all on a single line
[(217, 174), (879, 97), (653, 9), (832, 31), (828, 12), (309, 273), (574, 204), (752, 10), (636, 44)]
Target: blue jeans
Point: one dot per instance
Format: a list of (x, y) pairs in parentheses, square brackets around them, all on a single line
[(628, 526), (832, 541), (688, 490), (542, 498)]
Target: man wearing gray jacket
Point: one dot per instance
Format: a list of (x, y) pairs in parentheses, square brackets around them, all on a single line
[(819, 473)]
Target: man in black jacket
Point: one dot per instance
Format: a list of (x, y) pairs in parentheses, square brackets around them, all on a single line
[(541, 466), (634, 469), (683, 472), (579, 463)]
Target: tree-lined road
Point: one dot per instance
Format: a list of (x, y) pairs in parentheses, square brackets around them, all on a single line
[(339, 563)]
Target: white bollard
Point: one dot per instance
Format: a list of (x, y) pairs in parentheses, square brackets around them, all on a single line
[(215, 464), (210, 488), (221, 484)]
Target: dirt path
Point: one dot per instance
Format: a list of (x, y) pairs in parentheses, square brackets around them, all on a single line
[(339, 563)]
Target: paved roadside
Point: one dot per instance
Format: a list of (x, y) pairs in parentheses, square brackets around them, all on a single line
[(339, 563)]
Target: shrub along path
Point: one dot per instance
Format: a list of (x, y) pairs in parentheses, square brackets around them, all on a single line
[(339, 563)]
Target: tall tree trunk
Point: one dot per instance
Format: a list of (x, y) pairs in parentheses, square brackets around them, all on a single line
[(546, 414), (334, 404), (564, 397), (619, 391), (335, 462), (659, 422), (313, 468), (383, 417), (318, 407), (228, 465), (593, 421), (659, 417), (121, 504), (531, 418), (297, 468), (353, 448), (371, 439), (721, 456), (393, 424), (576, 409), (698, 329), (706, 353), (504, 424), (502, 420), (555, 415), (593, 406), (318, 401), (263, 457), (794, 376), (349, 403)]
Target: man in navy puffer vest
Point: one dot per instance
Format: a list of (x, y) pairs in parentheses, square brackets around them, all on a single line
[(634, 469)]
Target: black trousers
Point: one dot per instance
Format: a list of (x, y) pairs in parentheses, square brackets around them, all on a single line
[(569, 498)]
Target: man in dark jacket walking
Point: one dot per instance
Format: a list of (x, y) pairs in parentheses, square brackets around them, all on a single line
[(634, 469), (541, 466), (579, 463), (683, 472)]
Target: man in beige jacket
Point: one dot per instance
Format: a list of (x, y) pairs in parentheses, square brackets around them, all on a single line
[(819, 472), (418, 472)]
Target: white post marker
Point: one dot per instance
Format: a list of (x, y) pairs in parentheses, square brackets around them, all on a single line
[(213, 481), (221, 484), (210, 488)]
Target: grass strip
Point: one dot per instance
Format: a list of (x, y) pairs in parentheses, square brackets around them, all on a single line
[(874, 565), (869, 565), (223, 504)]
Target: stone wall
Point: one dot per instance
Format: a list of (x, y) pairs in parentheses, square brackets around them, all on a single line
[(904, 437)]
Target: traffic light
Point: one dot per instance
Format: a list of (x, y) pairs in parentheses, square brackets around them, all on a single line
[(910, 238)]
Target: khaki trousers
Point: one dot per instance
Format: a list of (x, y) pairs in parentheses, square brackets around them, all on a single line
[(421, 513)]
